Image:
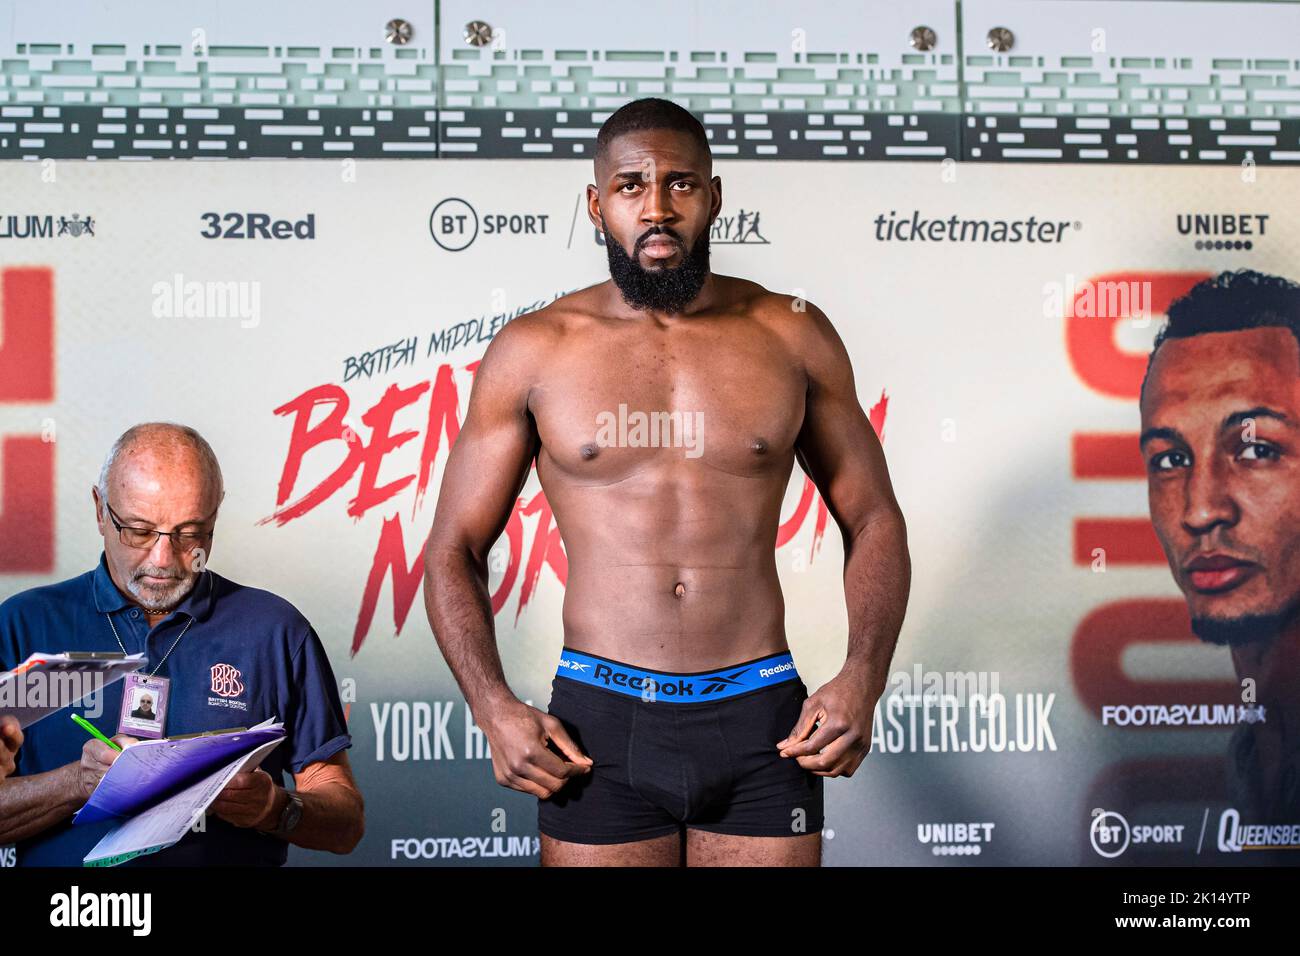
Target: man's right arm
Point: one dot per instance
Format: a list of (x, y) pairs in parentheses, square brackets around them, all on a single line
[(486, 469), (11, 739), (35, 802)]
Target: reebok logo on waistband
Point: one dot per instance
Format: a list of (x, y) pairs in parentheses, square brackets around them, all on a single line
[(617, 678), (636, 682)]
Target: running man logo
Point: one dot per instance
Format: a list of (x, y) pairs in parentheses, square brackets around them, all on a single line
[(225, 681)]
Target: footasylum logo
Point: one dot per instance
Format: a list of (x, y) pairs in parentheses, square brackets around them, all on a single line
[(1181, 715), (29, 226), (75, 909), (468, 848)]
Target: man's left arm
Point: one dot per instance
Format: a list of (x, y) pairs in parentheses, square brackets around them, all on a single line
[(838, 449), (333, 812)]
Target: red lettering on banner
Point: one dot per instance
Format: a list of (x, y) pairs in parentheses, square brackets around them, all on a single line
[(306, 437), (1103, 455), (1090, 330), (390, 561), (444, 415), (547, 549), (27, 375), (380, 420), (1102, 366), (786, 530), (1102, 636)]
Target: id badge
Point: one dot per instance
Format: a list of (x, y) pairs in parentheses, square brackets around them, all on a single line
[(144, 706)]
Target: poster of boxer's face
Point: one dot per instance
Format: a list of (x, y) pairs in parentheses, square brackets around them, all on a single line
[(1221, 441)]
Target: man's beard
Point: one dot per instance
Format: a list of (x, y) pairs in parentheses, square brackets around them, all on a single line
[(1243, 630), (159, 598), (664, 290)]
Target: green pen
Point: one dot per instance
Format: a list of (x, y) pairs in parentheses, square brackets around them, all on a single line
[(94, 731)]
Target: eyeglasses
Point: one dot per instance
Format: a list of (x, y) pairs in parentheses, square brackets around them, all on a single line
[(144, 538)]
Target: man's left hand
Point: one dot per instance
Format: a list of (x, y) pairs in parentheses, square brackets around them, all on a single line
[(833, 733), (248, 800)]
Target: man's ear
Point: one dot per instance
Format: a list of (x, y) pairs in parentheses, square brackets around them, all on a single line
[(99, 508), (593, 206)]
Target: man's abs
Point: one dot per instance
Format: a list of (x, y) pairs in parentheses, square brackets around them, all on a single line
[(674, 617)]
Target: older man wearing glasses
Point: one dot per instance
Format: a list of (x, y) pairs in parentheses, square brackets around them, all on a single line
[(218, 655)]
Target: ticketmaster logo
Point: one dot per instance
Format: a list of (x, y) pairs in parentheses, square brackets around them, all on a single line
[(919, 228)]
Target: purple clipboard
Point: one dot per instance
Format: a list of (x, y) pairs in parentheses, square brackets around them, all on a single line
[(153, 770)]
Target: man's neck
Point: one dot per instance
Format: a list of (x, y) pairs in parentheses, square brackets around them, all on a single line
[(1273, 665), (706, 299)]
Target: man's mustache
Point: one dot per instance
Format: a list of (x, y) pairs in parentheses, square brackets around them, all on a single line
[(154, 573)]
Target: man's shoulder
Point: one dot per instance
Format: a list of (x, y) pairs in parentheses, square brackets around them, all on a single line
[(266, 607), (552, 322), (782, 310), (526, 346)]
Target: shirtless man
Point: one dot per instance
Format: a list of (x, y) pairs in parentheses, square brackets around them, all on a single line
[(678, 727)]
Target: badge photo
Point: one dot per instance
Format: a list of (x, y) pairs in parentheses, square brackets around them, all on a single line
[(144, 706)]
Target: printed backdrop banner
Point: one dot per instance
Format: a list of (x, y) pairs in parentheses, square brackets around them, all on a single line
[(319, 323)]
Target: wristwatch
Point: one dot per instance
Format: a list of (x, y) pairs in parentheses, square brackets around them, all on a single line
[(290, 817)]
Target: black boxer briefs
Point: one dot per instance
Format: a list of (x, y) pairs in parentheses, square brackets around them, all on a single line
[(680, 750)]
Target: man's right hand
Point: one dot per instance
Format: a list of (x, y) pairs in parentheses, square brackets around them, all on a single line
[(11, 738), (96, 758), (518, 735)]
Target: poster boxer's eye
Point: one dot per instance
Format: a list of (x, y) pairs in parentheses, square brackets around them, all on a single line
[(1258, 451), (1168, 460)]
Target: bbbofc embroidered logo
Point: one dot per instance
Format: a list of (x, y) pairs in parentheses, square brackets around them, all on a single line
[(225, 681)]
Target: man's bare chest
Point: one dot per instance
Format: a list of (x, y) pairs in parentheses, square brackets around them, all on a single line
[(734, 404)]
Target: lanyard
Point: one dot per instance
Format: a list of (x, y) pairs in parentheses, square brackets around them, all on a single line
[(169, 650)]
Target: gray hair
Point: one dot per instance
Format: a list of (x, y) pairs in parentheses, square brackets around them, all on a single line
[(180, 433)]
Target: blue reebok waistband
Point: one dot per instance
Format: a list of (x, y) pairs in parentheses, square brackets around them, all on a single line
[(719, 684)]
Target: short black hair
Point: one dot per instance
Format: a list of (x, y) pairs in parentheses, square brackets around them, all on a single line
[(1231, 302), (650, 113)]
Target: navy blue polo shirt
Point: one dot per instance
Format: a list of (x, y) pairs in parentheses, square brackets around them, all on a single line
[(248, 656)]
